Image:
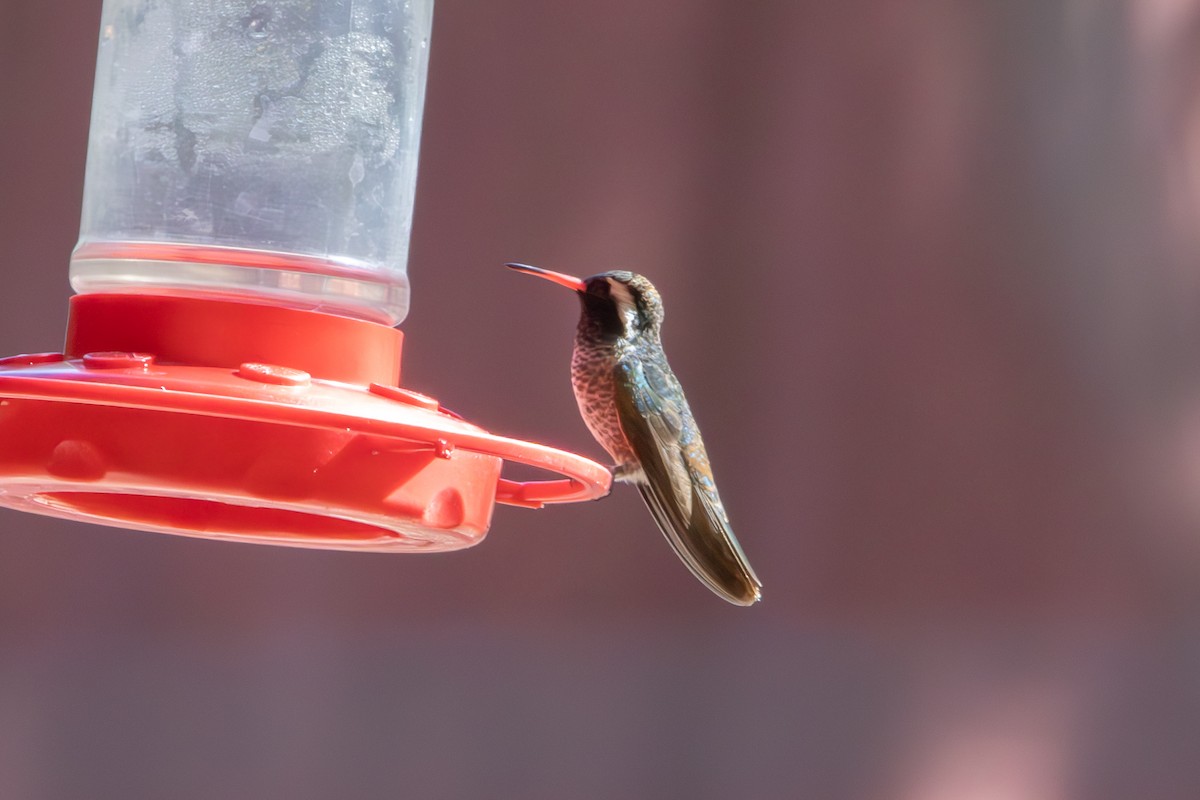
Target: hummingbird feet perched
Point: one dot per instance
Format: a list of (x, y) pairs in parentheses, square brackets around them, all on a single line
[(628, 473), (633, 404)]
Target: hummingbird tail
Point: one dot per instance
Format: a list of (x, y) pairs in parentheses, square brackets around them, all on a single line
[(706, 544)]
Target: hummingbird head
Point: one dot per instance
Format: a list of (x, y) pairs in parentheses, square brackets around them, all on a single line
[(616, 305)]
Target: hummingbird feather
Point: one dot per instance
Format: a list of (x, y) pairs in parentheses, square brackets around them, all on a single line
[(682, 500)]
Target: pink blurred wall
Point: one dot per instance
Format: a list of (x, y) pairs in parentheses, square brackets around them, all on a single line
[(931, 281)]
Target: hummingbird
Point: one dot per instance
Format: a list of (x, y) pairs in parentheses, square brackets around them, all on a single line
[(633, 405)]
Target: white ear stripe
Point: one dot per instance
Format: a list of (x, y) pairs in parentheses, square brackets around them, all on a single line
[(619, 294)]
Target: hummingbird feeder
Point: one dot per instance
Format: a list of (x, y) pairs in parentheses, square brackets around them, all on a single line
[(231, 367)]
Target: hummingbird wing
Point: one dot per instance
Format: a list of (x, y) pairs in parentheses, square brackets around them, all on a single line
[(678, 488)]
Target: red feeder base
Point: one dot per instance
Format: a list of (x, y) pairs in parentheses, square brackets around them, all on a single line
[(253, 423)]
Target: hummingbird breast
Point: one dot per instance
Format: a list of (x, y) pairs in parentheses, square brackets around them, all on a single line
[(594, 381)]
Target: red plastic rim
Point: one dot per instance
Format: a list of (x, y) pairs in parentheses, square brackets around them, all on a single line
[(161, 430)]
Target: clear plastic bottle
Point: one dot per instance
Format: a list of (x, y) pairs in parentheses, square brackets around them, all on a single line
[(257, 150)]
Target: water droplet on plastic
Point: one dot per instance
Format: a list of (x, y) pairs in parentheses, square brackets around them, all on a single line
[(244, 205), (258, 21), (357, 170)]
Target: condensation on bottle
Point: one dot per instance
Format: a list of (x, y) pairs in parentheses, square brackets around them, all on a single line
[(256, 151)]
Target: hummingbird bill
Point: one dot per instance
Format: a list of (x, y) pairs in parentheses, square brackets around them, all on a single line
[(633, 405)]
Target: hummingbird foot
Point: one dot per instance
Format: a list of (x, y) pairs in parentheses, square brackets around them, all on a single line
[(628, 473)]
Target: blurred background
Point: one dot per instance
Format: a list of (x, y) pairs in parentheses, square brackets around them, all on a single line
[(932, 274)]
